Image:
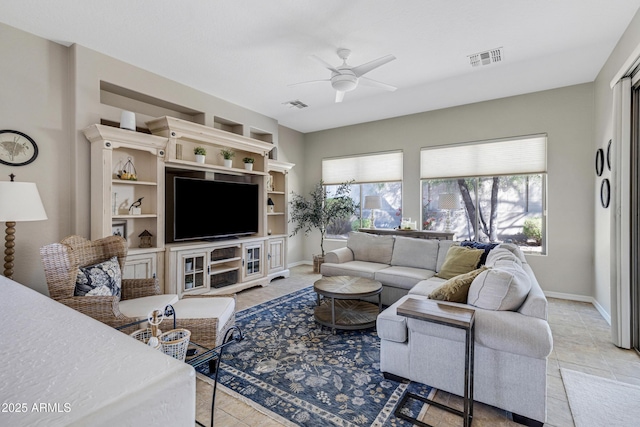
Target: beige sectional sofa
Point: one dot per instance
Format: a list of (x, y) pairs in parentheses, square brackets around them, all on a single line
[(512, 340)]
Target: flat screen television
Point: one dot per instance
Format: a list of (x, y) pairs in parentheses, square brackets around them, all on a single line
[(206, 209)]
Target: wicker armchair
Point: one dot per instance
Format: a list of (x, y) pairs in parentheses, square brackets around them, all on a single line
[(61, 263)]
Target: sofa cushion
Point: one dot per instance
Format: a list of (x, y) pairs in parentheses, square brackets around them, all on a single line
[(479, 245), (425, 287), (459, 260), (513, 248), (370, 247), (456, 288), (504, 287), (402, 277), (353, 268), (418, 253), (501, 254), (103, 279)]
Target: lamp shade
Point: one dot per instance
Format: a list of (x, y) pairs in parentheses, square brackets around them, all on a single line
[(20, 201), (372, 202), (448, 201)]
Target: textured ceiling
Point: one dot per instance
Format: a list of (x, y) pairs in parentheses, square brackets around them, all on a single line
[(248, 52)]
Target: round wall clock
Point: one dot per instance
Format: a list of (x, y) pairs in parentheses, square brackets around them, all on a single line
[(17, 148)]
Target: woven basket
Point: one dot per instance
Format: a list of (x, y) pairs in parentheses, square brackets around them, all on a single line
[(144, 335), (175, 342)]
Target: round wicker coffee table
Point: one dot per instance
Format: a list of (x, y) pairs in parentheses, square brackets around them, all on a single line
[(341, 307)]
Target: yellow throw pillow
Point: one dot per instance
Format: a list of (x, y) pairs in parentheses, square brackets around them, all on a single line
[(456, 289), (459, 260)]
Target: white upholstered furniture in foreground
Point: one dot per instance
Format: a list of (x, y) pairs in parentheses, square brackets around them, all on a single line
[(84, 372)]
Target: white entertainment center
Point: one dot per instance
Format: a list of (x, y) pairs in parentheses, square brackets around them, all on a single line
[(219, 266)]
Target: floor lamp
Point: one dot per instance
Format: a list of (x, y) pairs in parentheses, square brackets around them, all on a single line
[(19, 201), (448, 202), (373, 203)]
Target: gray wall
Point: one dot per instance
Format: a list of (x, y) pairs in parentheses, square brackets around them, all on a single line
[(565, 114), (603, 131), (34, 99)]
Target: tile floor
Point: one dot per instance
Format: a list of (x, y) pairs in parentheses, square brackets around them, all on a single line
[(581, 342)]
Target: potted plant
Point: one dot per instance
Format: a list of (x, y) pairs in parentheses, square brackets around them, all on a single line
[(200, 153), (227, 155), (248, 163), (319, 211)]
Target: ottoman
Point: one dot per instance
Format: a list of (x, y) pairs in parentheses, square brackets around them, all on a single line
[(208, 317)]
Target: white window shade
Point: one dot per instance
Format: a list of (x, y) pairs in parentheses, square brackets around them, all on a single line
[(521, 156), (382, 167)]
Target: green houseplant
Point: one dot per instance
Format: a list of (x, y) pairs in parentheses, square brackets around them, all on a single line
[(200, 153), (248, 163), (227, 155), (319, 211)]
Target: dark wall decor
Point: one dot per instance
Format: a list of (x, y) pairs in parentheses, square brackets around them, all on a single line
[(599, 161), (17, 148), (605, 193), (609, 155)]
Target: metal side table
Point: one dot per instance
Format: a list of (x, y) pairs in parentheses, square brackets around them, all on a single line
[(455, 317)]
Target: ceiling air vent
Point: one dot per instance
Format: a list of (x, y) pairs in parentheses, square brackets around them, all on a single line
[(486, 58), (297, 104)]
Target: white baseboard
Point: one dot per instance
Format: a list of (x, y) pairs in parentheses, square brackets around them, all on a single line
[(581, 298), (304, 262)]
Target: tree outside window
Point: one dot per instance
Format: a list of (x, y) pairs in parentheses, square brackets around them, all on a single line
[(492, 209)]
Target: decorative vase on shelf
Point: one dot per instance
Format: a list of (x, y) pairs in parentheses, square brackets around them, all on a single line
[(227, 163), (128, 120), (248, 166), (200, 158)]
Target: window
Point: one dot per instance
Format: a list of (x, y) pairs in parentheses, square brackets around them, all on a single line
[(378, 174), (487, 191)]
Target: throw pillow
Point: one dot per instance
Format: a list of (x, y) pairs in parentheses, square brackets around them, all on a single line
[(456, 288), (500, 288), (459, 260), (478, 245), (100, 279)]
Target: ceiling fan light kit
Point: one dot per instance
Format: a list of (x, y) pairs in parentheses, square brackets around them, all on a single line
[(345, 78)]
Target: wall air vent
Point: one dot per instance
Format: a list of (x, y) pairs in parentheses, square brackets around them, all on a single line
[(486, 58), (297, 104)]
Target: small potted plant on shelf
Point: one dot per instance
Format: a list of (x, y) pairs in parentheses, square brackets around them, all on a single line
[(200, 153), (248, 163), (227, 154)]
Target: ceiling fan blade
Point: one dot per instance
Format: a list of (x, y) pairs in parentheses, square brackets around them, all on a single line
[(339, 96), (372, 65), (310, 81), (373, 83), (324, 63)]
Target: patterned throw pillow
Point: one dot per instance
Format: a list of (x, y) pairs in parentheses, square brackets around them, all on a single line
[(101, 279)]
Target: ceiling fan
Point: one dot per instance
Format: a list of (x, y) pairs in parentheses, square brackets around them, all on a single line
[(345, 78)]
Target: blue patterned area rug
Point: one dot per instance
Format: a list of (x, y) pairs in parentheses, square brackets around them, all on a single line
[(299, 370)]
